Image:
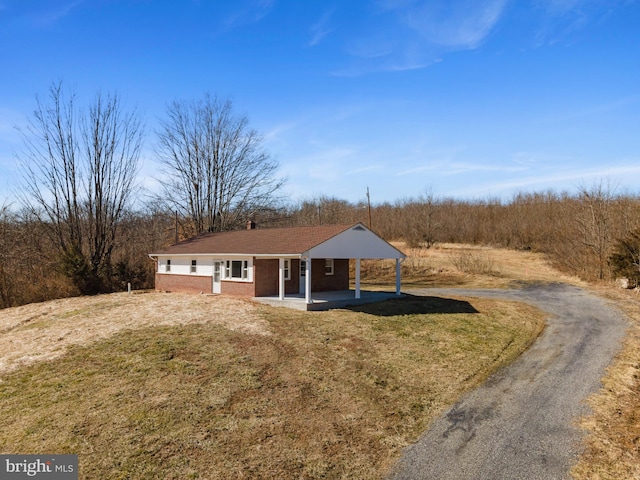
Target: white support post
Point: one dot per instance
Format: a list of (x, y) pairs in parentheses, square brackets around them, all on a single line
[(357, 278), (307, 282), (397, 276), (281, 278)]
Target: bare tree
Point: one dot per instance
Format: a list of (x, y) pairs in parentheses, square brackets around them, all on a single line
[(79, 168), (216, 170), (595, 223), (9, 241)]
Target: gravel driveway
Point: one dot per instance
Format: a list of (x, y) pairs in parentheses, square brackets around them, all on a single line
[(521, 424)]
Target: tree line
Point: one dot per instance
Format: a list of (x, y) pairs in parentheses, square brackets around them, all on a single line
[(80, 226), (592, 234)]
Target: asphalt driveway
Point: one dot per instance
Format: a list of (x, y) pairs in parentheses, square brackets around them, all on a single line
[(521, 424)]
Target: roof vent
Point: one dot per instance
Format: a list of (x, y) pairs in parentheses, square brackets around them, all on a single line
[(251, 225)]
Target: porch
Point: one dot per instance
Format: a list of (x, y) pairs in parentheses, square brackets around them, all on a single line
[(326, 300)]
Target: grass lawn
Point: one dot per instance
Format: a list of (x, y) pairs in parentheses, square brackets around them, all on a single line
[(261, 392)]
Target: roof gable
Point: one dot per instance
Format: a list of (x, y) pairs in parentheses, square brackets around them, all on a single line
[(355, 242)]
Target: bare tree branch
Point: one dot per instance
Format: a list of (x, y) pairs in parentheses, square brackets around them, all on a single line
[(78, 168), (217, 172)]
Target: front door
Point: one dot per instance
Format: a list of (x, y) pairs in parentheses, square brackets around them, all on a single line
[(217, 266), (303, 276)]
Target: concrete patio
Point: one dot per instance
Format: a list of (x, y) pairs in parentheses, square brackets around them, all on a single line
[(327, 300)]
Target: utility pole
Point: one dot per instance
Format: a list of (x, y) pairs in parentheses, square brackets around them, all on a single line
[(369, 206)]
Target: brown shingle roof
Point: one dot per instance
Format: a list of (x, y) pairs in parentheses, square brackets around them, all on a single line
[(268, 241)]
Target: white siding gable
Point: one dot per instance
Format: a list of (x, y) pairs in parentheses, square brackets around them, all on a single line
[(356, 242)]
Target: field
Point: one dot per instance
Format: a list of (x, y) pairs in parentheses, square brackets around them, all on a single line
[(181, 386), (455, 265)]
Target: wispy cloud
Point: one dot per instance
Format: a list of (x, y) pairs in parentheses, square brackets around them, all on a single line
[(462, 24), (321, 28), (10, 120), (248, 13), (556, 179), (560, 7), (365, 169), (277, 133), (560, 20), (55, 14), (413, 34), (460, 168), (596, 110)]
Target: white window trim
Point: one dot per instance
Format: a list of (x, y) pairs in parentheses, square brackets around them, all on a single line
[(167, 266), (245, 269), (287, 269), (329, 266), (227, 271), (193, 268)]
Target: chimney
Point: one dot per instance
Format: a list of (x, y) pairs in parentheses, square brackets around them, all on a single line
[(251, 225)]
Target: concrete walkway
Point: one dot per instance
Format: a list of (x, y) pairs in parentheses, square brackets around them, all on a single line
[(521, 424)]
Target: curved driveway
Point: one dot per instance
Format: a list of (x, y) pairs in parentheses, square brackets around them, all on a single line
[(521, 424)]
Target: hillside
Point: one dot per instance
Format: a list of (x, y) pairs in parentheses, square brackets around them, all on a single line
[(187, 386), (183, 386)]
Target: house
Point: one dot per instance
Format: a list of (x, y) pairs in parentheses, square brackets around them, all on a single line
[(294, 261)]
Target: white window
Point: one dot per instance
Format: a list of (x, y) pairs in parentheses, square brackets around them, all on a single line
[(328, 266), (245, 269), (194, 266), (236, 269), (287, 269), (167, 267)]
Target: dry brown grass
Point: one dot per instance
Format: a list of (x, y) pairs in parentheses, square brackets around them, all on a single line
[(211, 387), (613, 441), (470, 266), (43, 331)]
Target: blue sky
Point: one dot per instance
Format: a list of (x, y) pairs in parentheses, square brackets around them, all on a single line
[(462, 98)]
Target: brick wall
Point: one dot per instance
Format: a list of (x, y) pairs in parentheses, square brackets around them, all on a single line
[(265, 283), (267, 277), (244, 289), (320, 282), (166, 282)]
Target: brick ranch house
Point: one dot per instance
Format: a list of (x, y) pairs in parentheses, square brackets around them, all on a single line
[(271, 262)]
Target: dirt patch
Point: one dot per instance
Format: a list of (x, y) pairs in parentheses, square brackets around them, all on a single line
[(43, 331)]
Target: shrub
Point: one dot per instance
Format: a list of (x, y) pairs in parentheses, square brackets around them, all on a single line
[(625, 259)]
